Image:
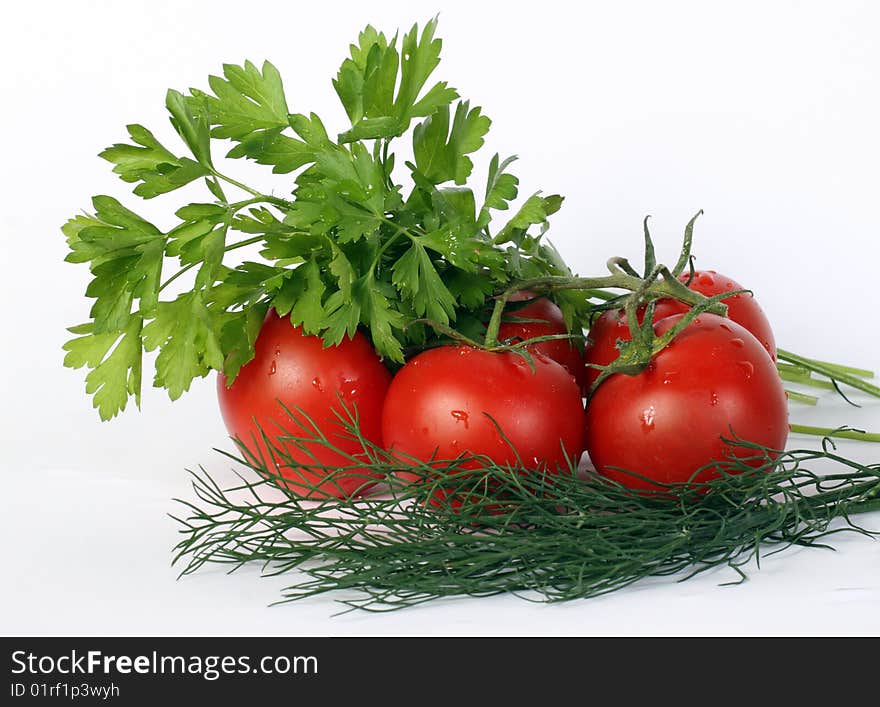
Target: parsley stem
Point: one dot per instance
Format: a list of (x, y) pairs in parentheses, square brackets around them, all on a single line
[(187, 268), (258, 195), (184, 269), (400, 231)]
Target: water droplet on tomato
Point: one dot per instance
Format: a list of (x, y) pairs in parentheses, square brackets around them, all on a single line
[(460, 416), (277, 351), (317, 383), (648, 419), (739, 343), (706, 280), (725, 327), (747, 368), (713, 398), (669, 377), (272, 369)]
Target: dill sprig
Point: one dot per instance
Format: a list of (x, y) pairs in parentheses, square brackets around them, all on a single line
[(457, 530)]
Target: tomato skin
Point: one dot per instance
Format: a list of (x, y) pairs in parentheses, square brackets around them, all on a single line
[(715, 379), (601, 346), (742, 308), (560, 350), (437, 406), (297, 370)]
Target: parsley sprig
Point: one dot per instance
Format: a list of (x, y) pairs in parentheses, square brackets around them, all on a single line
[(350, 247)]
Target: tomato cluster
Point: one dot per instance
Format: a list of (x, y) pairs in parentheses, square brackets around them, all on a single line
[(712, 387)]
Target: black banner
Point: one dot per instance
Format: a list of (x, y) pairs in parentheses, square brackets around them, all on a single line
[(456, 670)]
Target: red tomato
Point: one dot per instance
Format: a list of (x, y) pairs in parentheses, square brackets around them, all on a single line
[(601, 347), (611, 326), (297, 370), (715, 379), (560, 350), (438, 403), (743, 308)]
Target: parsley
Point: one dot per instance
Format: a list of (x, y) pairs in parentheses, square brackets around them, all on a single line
[(350, 246)]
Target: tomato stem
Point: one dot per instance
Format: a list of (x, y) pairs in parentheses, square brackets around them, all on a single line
[(666, 287), (686, 246)]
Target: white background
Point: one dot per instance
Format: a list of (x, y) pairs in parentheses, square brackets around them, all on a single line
[(763, 114)]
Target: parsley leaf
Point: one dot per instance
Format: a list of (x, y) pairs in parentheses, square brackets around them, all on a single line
[(417, 279), (441, 152), (501, 188), (246, 102), (185, 332), (200, 238), (535, 211), (366, 82), (192, 127), (148, 162), (114, 377), (125, 253)]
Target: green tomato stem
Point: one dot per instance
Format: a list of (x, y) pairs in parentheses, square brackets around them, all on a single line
[(620, 281)]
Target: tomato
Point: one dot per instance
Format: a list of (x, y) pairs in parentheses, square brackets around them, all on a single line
[(611, 326), (742, 308), (560, 350), (715, 379), (440, 403), (296, 369), (601, 346)]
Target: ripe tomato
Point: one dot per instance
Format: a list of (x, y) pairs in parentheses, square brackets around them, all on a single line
[(611, 326), (715, 379), (601, 346), (743, 308), (560, 350), (295, 369), (438, 403)]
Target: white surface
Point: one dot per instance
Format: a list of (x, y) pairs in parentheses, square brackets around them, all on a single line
[(763, 114)]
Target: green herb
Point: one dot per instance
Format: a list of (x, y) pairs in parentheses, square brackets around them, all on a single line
[(350, 246), (552, 537)]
